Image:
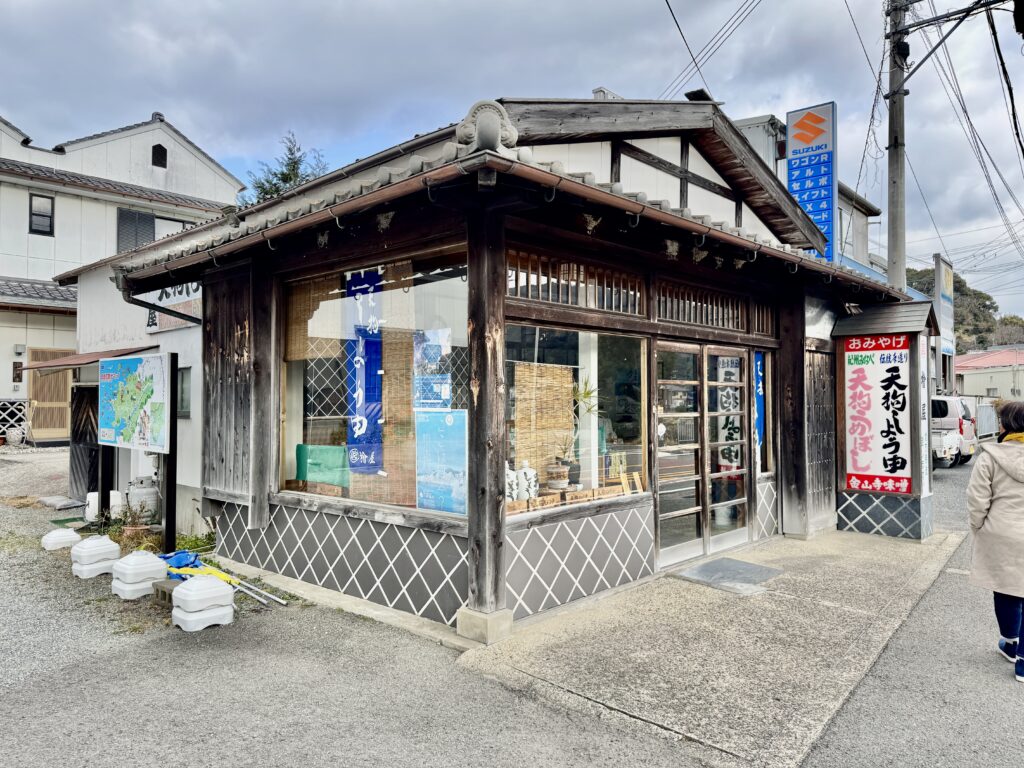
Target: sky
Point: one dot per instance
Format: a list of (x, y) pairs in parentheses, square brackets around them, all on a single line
[(353, 78)]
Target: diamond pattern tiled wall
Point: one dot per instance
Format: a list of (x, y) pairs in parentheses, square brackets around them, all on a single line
[(413, 570), (551, 565), (897, 516), (767, 523)]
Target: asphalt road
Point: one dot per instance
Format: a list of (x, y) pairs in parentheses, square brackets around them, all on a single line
[(938, 695)]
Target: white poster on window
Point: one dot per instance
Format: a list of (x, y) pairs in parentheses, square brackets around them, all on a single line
[(878, 415)]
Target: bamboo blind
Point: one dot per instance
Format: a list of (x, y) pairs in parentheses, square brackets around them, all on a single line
[(543, 413)]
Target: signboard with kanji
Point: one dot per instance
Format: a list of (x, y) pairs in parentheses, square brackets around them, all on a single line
[(877, 395), (811, 167)]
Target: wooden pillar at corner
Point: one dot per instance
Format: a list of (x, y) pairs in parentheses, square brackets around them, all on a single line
[(485, 618), (791, 418), (263, 444)]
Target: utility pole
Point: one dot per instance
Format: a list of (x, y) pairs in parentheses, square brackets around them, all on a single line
[(897, 148)]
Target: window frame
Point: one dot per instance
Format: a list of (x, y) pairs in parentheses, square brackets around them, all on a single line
[(347, 506), (153, 156), (184, 386), (51, 216)]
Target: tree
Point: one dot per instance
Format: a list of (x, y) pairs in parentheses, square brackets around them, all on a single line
[(974, 312), (1009, 330), (296, 166)]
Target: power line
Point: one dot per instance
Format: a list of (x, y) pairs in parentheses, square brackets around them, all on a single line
[(1007, 88), (688, 49), (689, 67), (715, 45)]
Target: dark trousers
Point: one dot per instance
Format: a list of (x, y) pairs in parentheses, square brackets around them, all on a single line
[(1009, 609)]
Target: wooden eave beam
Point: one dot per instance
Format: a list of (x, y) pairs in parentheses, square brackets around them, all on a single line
[(540, 122)]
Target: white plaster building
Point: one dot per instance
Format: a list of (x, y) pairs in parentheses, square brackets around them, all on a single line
[(67, 212)]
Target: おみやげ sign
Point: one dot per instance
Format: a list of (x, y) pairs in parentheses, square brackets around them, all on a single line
[(876, 393)]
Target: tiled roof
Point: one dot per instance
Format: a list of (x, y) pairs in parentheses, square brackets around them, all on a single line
[(156, 119), (341, 186), (36, 293), (81, 180), (996, 358)]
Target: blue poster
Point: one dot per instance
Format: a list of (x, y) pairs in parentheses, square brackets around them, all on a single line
[(441, 462), (433, 390), (364, 374), (431, 387), (759, 405)]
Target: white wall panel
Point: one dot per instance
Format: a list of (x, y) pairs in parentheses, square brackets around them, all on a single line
[(666, 147), (754, 225), (704, 203), (588, 157), (67, 219), (699, 165), (639, 177)]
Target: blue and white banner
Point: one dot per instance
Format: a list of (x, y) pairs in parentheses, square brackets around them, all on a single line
[(811, 167), (364, 360)]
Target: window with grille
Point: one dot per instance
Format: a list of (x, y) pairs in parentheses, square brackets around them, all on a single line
[(540, 277), (701, 306), (694, 305)]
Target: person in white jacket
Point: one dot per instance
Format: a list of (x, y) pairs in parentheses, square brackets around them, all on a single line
[(995, 503)]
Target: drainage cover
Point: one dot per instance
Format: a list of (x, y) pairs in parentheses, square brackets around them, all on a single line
[(729, 574)]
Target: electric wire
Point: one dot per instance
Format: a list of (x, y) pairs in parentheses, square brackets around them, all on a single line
[(1007, 88), (688, 70), (687, 44), (716, 45)]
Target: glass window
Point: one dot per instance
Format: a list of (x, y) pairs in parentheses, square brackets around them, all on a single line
[(375, 385), (575, 417), (184, 393), (40, 215)]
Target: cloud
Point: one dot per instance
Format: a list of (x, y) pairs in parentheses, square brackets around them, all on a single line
[(353, 78)]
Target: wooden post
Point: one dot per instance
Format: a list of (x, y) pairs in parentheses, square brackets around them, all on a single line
[(263, 425), (792, 466), (169, 475), (486, 618)]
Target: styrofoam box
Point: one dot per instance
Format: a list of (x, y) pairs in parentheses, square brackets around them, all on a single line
[(130, 590), (90, 570), (95, 549), (60, 538), (139, 566), (202, 592), (193, 621)]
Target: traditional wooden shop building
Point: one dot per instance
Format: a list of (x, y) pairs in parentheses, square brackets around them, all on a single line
[(538, 354)]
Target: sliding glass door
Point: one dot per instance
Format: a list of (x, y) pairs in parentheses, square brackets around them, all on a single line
[(702, 440)]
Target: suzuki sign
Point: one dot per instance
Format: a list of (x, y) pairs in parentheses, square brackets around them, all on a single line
[(811, 170)]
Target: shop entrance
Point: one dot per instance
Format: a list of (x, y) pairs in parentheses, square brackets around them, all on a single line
[(702, 436)]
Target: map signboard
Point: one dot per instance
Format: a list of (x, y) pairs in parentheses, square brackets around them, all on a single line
[(877, 392), (134, 411), (811, 167)]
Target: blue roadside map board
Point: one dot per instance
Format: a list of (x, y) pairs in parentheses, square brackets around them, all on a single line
[(133, 407)]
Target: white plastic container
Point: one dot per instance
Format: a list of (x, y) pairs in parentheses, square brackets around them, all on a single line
[(202, 592), (92, 570), (94, 549), (138, 567), (193, 621), (92, 506), (116, 504), (144, 496), (60, 538), (130, 591)]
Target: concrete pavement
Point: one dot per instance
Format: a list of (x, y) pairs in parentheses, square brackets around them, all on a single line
[(744, 680), (938, 695)]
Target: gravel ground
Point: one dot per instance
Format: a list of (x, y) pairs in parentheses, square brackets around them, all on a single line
[(33, 472), (939, 695), (86, 679)]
